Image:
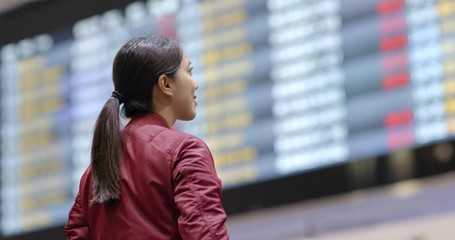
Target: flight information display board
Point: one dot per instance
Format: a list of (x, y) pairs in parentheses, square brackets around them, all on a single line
[(284, 87)]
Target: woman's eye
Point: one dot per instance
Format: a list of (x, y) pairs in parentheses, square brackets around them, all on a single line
[(190, 70)]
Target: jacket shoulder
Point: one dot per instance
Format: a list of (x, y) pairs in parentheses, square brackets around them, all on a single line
[(181, 142), (182, 139)]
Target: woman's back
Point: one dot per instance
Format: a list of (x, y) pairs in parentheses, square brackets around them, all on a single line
[(158, 168)]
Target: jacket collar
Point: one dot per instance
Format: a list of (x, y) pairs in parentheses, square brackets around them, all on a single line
[(149, 118)]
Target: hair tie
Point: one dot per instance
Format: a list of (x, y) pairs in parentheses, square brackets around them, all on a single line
[(119, 97)]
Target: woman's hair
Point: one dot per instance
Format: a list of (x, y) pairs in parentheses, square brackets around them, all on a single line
[(137, 67)]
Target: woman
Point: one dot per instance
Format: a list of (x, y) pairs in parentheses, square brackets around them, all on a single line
[(148, 181)]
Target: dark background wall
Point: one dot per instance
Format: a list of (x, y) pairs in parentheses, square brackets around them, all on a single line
[(50, 15)]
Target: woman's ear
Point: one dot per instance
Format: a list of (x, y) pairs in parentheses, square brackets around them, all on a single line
[(165, 85)]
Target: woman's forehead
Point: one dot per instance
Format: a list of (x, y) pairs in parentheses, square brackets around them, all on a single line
[(185, 60)]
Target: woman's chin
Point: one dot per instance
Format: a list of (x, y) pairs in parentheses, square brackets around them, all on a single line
[(188, 117)]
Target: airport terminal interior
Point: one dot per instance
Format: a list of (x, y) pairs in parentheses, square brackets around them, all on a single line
[(327, 119)]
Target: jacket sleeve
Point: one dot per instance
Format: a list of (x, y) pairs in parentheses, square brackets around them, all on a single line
[(77, 227), (197, 191)]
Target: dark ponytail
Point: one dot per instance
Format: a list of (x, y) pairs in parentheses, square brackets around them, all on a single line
[(106, 153)]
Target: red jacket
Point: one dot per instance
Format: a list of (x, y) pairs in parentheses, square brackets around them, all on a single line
[(169, 190)]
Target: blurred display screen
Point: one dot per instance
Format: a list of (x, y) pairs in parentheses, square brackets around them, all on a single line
[(284, 87)]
